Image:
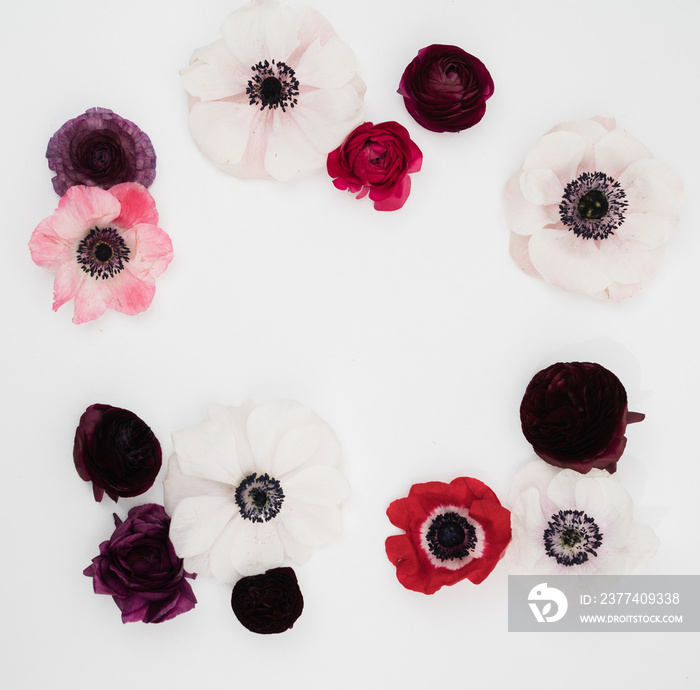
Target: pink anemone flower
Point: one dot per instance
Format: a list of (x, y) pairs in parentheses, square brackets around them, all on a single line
[(105, 247), (275, 95)]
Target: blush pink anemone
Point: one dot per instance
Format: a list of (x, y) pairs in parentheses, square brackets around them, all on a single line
[(591, 210), (105, 247), (275, 95)]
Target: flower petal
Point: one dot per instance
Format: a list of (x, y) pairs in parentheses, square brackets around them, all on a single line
[(522, 216), (215, 73), (222, 553), (289, 151), (520, 251), (221, 129), (263, 30), (68, 282), (198, 521), (318, 485), (48, 250), (178, 486), (81, 208), (256, 548), (136, 205), (652, 187), (541, 186), (327, 66), (560, 152), (650, 229), (616, 151), (152, 251), (311, 525), (631, 262)]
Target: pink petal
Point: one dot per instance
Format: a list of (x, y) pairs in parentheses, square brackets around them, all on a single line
[(82, 208), (47, 248), (522, 216), (396, 200), (214, 73), (67, 284), (520, 251), (137, 205), (152, 250), (652, 187), (648, 228), (123, 292), (616, 151), (560, 152)]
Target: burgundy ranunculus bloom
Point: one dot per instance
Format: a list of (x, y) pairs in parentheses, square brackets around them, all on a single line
[(376, 159), (445, 89), (575, 415), (139, 568), (268, 603), (116, 451), (100, 149)]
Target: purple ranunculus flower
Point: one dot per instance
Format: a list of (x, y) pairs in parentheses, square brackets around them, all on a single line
[(445, 89), (574, 414), (268, 603), (139, 568), (116, 451), (100, 149)]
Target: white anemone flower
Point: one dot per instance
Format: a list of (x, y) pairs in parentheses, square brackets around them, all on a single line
[(275, 95), (251, 485), (591, 210), (565, 522)]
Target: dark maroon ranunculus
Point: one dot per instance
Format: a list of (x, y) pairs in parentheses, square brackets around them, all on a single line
[(100, 149), (445, 89), (575, 415), (139, 568), (376, 159), (116, 451), (268, 603)]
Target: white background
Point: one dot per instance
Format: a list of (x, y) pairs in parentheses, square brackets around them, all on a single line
[(412, 333)]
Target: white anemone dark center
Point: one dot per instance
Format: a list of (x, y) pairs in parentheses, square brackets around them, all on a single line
[(273, 85), (593, 206), (259, 497), (572, 537), (102, 253), (450, 537)]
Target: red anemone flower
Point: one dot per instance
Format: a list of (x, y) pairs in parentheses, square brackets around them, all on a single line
[(452, 532)]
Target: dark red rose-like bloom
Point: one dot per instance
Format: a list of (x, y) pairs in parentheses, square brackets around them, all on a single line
[(139, 568), (100, 149), (575, 415), (116, 451), (453, 531), (376, 159), (268, 603), (445, 89)]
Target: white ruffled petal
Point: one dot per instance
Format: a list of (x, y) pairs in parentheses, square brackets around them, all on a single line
[(560, 152), (221, 129), (541, 186), (198, 521), (652, 187), (318, 485), (296, 552), (616, 151), (328, 66), (214, 73), (178, 486), (326, 117), (311, 525), (256, 548), (289, 151), (208, 450), (631, 262), (222, 552), (520, 252), (570, 262), (522, 216), (262, 30), (650, 229)]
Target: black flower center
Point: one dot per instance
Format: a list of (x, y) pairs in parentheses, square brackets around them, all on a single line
[(273, 85), (593, 206), (259, 498), (451, 537), (572, 537), (102, 253)]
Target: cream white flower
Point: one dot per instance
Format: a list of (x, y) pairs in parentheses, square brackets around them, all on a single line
[(591, 209), (565, 522), (251, 485), (275, 95)]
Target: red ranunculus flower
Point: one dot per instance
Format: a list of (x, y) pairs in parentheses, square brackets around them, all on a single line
[(116, 451), (575, 415), (445, 89), (268, 603), (453, 531), (139, 568), (376, 159)]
